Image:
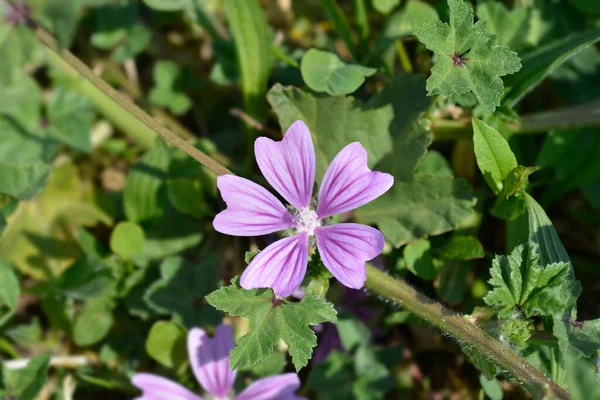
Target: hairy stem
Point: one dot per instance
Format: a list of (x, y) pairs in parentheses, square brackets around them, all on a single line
[(129, 117), (574, 117), (462, 330)]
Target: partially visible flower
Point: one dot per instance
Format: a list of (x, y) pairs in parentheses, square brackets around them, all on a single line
[(289, 166), (209, 359)]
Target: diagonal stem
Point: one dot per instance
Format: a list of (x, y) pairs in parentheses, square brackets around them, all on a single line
[(125, 103), (464, 331)]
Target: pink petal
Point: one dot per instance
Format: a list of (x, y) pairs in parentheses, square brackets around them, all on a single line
[(279, 387), (281, 266), (349, 183), (344, 249), (251, 209), (156, 387), (210, 359), (289, 165)]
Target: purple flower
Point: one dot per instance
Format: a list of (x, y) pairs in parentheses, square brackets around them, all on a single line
[(210, 363), (289, 166)]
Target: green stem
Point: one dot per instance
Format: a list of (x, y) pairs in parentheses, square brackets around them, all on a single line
[(573, 117), (464, 331), (277, 52), (120, 109), (403, 57)]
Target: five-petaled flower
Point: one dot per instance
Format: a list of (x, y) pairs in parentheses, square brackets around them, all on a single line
[(210, 364), (289, 166)]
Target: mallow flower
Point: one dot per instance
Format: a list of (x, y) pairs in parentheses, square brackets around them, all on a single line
[(289, 166), (209, 358)]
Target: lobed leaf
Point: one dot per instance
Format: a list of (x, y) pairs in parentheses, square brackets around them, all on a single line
[(271, 319), (467, 58), (522, 284)]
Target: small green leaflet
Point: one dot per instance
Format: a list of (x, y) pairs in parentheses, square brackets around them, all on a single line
[(325, 72), (169, 88), (521, 284), (271, 319), (166, 343), (467, 58)]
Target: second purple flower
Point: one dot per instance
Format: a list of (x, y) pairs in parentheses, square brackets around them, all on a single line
[(289, 166)]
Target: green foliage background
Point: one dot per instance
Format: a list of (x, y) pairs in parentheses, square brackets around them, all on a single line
[(487, 114)]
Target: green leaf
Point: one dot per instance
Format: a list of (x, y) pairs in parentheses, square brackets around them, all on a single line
[(467, 57), (26, 384), (23, 180), (434, 163), (582, 379), (169, 235), (145, 195), (353, 333), (511, 202), (63, 17), (335, 122), (19, 47), (169, 88), (167, 344), (93, 323), (325, 72), (538, 63), (452, 282), (187, 196), (252, 39), (517, 180), (491, 387), (71, 115), (271, 319), (460, 247), (127, 239), (113, 22), (521, 283), (333, 378), (426, 205), (86, 279), (272, 365), (512, 27), (494, 156), (407, 20), (385, 6), (419, 259), (181, 289), (136, 41), (9, 292)]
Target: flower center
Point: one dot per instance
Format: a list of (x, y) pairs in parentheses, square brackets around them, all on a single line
[(306, 220)]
